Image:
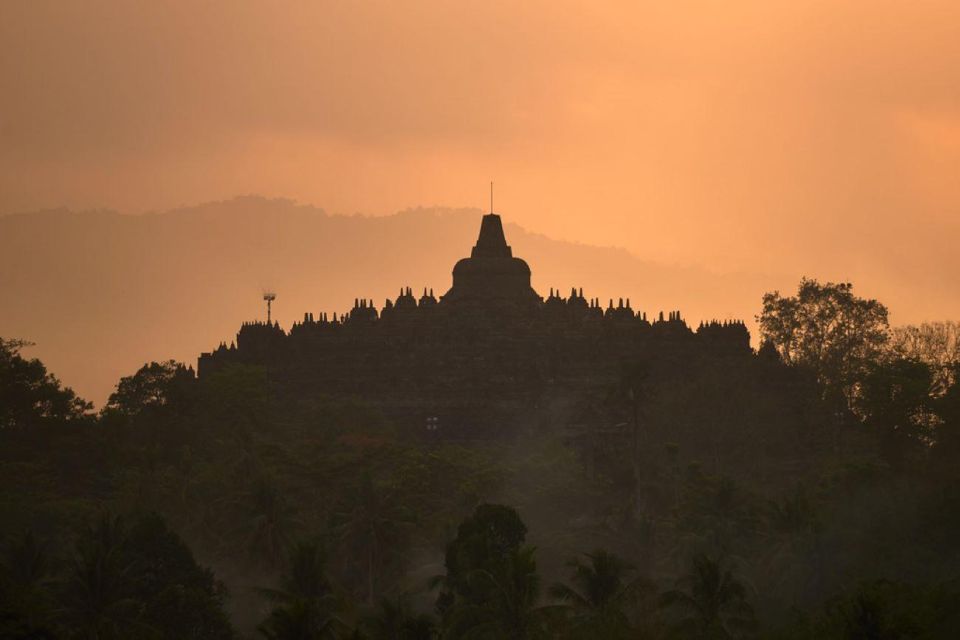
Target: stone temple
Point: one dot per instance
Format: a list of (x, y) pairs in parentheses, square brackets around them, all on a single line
[(482, 357)]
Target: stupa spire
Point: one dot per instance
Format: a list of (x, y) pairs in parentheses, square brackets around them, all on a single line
[(491, 243)]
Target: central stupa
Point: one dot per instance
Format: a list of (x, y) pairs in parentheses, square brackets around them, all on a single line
[(491, 276)]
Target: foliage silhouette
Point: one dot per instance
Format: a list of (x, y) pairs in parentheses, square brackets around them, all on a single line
[(711, 603), (485, 541), (827, 328), (509, 609), (736, 455), (32, 397), (395, 620), (600, 595)]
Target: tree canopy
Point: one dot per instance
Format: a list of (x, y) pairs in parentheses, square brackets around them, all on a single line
[(827, 328), (30, 395), (155, 385)]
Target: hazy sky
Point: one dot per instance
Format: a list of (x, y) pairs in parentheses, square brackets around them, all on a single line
[(808, 137)]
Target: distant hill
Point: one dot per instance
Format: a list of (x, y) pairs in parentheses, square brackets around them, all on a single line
[(100, 293)]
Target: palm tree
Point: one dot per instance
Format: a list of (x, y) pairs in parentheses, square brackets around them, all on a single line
[(715, 515), (300, 620), (600, 591), (306, 575), (712, 606), (511, 612), (25, 562), (272, 522), (25, 574), (97, 600), (395, 620), (371, 522), (306, 603), (794, 559)]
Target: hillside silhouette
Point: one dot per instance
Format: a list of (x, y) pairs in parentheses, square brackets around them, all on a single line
[(109, 291)]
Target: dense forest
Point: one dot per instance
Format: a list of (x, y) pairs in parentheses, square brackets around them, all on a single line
[(807, 490)]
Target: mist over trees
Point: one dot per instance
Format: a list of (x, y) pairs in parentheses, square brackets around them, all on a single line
[(807, 490)]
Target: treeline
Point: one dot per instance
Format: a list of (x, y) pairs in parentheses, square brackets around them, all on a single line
[(116, 581), (141, 581), (807, 490)]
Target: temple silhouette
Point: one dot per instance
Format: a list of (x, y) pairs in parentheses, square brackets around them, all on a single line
[(482, 356)]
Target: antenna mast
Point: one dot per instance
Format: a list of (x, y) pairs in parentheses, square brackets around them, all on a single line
[(269, 296)]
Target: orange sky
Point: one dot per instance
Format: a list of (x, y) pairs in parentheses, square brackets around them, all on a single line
[(775, 137)]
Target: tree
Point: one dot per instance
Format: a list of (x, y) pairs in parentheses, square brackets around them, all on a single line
[(794, 559), (937, 344), (97, 598), (711, 604), (600, 593), (25, 579), (716, 513), (300, 620), (140, 581), (885, 609), (272, 522), (30, 396), (371, 522), (485, 541), (509, 610), (306, 603), (395, 620), (634, 386), (895, 400), (946, 452), (154, 385), (306, 575), (180, 598), (827, 328)]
